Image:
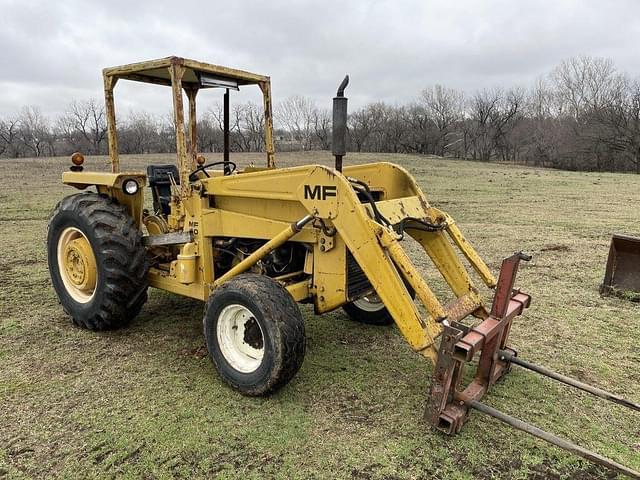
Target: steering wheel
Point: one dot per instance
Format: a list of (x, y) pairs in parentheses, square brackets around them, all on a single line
[(202, 168)]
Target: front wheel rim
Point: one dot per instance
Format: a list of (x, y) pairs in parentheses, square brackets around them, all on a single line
[(240, 338), (369, 303)]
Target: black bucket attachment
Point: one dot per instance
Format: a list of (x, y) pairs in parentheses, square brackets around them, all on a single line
[(622, 276)]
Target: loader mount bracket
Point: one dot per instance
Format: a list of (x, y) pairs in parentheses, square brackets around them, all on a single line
[(447, 409)]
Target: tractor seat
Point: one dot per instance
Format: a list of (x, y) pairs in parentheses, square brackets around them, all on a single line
[(161, 185)]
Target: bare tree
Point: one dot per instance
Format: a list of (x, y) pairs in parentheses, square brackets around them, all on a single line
[(9, 130), (253, 125), (139, 134), (322, 128), (444, 108), (394, 132), (238, 140), (483, 108), (296, 115), (494, 114), (618, 124), (209, 134), (34, 132), (84, 125), (239, 137), (586, 83), (420, 130), (507, 117), (364, 123)]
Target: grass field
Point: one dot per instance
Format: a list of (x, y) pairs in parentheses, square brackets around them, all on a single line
[(145, 402)]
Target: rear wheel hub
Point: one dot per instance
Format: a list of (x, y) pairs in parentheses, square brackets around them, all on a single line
[(77, 264)]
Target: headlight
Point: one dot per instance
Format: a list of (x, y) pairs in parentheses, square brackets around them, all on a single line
[(130, 187)]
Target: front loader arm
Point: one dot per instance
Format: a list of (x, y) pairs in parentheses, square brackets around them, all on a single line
[(379, 254), (352, 222), (370, 229)]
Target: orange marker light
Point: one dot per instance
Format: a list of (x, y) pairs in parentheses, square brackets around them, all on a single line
[(77, 159)]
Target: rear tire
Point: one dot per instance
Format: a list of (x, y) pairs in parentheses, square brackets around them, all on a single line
[(370, 310), (254, 333), (97, 262)]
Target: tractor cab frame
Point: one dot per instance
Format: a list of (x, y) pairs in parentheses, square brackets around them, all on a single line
[(188, 76)]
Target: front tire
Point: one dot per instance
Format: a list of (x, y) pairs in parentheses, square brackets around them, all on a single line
[(97, 262), (254, 333)]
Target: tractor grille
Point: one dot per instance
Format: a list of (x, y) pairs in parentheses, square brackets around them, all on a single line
[(357, 282)]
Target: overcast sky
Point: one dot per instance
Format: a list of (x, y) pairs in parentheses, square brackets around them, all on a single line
[(53, 51)]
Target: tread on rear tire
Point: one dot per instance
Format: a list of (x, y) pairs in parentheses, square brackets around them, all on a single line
[(120, 258)]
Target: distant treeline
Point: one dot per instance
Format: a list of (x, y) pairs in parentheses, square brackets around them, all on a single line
[(584, 115)]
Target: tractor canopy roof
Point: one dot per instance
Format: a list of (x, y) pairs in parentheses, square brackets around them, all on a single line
[(197, 74)]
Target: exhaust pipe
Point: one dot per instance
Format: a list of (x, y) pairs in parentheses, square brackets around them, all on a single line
[(339, 141)]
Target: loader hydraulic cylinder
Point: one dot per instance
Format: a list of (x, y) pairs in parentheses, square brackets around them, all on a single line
[(264, 250)]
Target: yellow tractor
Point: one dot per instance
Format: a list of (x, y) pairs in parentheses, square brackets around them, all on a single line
[(253, 242)]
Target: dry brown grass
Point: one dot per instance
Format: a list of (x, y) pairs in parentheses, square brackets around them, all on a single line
[(144, 402)]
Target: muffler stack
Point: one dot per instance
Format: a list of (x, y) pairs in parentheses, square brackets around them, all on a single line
[(339, 139)]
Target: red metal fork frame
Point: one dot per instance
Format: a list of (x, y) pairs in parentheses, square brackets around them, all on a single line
[(448, 407)]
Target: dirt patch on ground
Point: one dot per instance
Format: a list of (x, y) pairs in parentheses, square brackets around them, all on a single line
[(555, 248)]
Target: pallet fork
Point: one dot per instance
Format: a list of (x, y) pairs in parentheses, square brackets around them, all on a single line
[(450, 403)]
